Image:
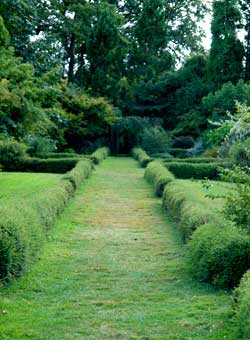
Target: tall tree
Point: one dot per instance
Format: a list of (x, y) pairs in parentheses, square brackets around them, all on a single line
[(245, 10), (225, 61)]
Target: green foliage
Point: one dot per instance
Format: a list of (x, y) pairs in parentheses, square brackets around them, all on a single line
[(188, 204), (126, 133), (177, 152), (219, 255), (195, 170), (11, 152), (39, 146), (237, 207), (226, 54), (157, 174), (53, 165), (141, 156), (4, 34), (243, 307), (183, 142), (155, 140), (99, 155), (239, 152), (218, 103), (24, 225), (193, 160)]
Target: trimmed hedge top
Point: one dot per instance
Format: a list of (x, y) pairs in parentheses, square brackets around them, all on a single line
[(141, 156), (157, 174)]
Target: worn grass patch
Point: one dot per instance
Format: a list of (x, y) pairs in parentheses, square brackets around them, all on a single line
[(114, 269)]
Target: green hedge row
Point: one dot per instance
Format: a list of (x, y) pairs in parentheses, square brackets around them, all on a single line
[(243, 307), (99, 155), (187, 206), (53, 165), (24, 225), (219, 254), (141, 156), (193, 160), (159, 176), (61, 155), (197, 170)]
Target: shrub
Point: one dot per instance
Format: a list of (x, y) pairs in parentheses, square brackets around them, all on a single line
[(38, 146), (141, 156), (194, 170), (243, 307), (183, 142), (61, 155), (155, 140), (219, 255), (99, 155), (239, 152), (11, 152), (194, 160), (177, 152), (159, 176), (24, 225), (189, 206), (59, 166)]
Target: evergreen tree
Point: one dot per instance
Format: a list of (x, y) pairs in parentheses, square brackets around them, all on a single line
[(226, 54), (245, 10)]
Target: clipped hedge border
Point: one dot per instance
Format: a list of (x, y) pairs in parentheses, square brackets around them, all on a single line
[(243, 307), (61, 155), (100, 154), (141, 156), (157, 174), (25, 225), (189, 212), (219, 254), (195, 170), (194, 160)]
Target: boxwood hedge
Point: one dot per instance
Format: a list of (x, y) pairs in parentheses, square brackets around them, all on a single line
[(243, 307), (157, 174), (141, 156)]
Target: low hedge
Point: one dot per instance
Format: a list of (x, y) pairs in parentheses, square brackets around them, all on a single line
[(194, 160), (99, 155), (219, 255), (196, 171), (188, 206), (243, 307), (177, 152), (141, 156), (24, 225), (157, 174), (52, 165), (61, 155)]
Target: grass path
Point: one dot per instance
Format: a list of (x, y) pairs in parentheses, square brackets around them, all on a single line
[(114, 269)]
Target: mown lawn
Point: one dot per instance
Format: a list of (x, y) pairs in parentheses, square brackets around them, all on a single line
[(17, 186), (114, 269)]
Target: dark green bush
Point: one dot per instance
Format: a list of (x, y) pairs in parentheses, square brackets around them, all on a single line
[(194, 160), (219, 255), (157, 174), (59, 166), (61, 155), (99, 155), (38, 146), (243, 307), (154, 140), (81, 171), (24, 225), (194, 170), (141, 156), (183, 142), (188, 206), (178, 152), (11, 152)]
